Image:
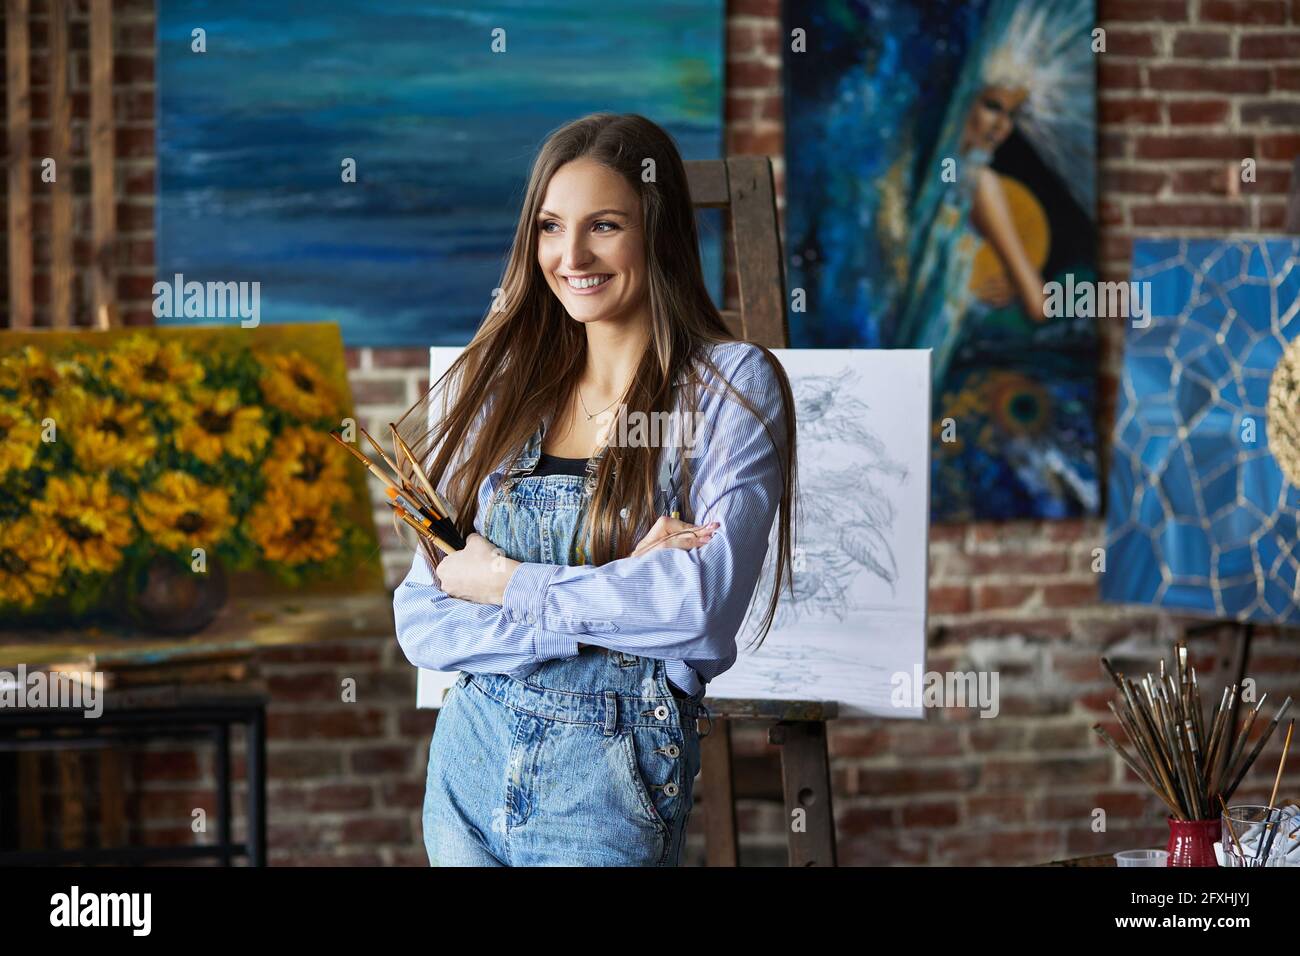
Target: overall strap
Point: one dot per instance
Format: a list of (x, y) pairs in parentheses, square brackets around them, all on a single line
[(522, 467), (531, 454)]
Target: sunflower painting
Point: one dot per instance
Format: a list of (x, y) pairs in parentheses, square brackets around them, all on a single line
[(117, 447)]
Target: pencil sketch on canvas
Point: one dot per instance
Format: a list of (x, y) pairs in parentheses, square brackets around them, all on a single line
[(860, 503), (856, 613)]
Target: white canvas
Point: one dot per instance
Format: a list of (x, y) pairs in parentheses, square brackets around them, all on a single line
[(857, 615), (432, 686)]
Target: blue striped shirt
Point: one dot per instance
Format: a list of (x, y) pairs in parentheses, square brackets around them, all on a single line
[(682, 606)]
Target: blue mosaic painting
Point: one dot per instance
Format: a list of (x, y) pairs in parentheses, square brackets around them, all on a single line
[(1205, 478)]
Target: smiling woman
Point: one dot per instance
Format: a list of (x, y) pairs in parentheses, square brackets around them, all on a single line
[(586, 620), (593, 261)]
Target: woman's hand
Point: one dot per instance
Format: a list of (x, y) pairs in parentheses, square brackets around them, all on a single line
[(669, 532), (479, 572)]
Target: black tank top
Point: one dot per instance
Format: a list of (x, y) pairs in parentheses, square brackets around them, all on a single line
[(554, 465)]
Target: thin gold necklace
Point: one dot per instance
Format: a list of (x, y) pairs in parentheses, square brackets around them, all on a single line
[(591, 415)]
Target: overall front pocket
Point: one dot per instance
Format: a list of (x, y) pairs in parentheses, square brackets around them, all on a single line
[(652, 773)]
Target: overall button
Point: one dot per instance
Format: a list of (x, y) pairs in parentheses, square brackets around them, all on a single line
[(531, 617), (673, 751), (623, 513), (670, 789), (661, 712)]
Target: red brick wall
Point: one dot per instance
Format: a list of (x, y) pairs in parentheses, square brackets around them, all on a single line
[(1188, 88)]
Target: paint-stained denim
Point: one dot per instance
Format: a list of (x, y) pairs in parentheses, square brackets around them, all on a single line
[(587, 760)]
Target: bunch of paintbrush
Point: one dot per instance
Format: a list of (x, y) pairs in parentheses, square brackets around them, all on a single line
[(413, 498), (1187, 758)]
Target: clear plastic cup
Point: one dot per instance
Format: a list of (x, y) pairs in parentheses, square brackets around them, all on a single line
[(1142, 858)]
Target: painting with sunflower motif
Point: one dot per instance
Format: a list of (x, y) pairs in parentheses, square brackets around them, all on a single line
[(1203, 503), (945, 161), (206, 446)]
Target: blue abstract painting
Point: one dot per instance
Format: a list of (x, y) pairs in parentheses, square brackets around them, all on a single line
[(1204, 484), (253, 132), (941, 161)]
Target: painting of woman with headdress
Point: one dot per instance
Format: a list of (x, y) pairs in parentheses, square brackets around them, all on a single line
[(941, 164)]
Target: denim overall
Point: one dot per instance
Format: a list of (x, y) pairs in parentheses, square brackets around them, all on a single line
[(582, 761)]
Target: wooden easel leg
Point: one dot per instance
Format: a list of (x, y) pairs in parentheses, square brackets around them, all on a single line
[(805, 776), (718, 789)]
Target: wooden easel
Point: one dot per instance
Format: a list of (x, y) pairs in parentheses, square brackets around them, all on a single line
[(742, 185)]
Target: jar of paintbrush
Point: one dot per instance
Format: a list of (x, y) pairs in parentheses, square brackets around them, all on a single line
[(1193, 757)]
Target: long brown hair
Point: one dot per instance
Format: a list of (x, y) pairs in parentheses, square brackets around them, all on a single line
[(528, 353)]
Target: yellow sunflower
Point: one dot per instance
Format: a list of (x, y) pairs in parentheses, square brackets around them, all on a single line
[(214, 422), (105, 433), (292, 530), (20, 437), (180, 513), (306, 464), (152, 369), (95, 364), (89, 524), (40, 381), (294, 384), (28, 569)]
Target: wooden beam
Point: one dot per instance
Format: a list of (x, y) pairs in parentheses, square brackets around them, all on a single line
[(102, 200), (735, 322), (18, 86), (721, 847), (708, 183), (61, 152), (758, 251)]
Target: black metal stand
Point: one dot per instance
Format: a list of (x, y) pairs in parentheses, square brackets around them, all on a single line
[(210, 717)]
